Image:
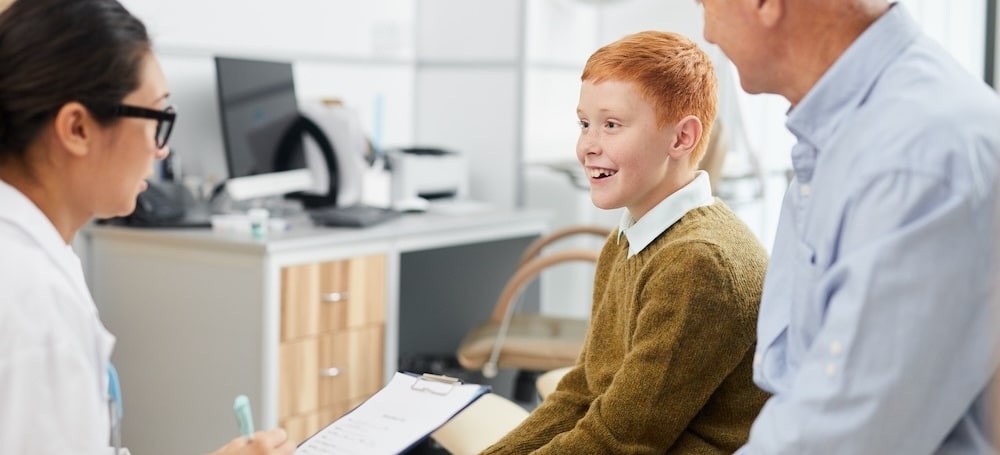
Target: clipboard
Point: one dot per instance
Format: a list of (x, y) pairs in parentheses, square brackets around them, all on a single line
[(400, 415)]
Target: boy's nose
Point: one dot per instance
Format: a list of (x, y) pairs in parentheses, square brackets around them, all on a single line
[(588, 144)]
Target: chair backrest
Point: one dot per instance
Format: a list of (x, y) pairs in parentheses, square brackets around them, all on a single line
[(531, 264), (536, 247), (521, 338), (529, 270)]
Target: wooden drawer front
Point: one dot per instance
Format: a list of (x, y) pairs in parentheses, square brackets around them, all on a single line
[(298, 390), (321, 298), (362, 304), (330, 370), (357, 356), (367, 284), (300, 303)]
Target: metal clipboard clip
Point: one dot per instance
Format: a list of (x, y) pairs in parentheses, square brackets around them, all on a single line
[(435, 383)]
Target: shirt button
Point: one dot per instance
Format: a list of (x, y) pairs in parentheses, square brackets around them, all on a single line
[(836, 348), (757, 359), (805, 189), (831, 370)]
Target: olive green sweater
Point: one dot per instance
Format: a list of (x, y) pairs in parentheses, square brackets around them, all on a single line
[(667, 365)]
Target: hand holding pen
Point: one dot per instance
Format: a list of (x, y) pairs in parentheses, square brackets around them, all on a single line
[(272, 442)]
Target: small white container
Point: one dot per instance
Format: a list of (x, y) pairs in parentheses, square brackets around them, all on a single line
[(259, 225)]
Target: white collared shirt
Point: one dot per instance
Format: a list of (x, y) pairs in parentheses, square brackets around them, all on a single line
[(641, 233)]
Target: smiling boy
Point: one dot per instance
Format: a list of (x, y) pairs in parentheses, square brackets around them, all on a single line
[(667, 363)]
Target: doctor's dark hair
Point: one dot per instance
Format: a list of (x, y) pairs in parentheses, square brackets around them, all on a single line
[(670, 72), (53, 52)]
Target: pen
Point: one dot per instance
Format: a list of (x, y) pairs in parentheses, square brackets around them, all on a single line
[(243, 415)]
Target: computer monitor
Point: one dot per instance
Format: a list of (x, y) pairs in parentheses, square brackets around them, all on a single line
[(257, 105)]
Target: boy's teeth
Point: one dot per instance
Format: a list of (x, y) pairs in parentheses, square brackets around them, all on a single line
[(598, 173)]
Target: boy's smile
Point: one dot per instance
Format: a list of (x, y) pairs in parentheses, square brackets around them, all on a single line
[(598, 173)]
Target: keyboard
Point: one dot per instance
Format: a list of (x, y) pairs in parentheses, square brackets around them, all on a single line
[(352, 216)]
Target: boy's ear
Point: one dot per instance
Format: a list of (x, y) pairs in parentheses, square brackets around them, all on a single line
[(75, 128), (686, 135)]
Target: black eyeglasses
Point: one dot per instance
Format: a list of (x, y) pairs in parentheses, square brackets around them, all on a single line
[(164, 119)]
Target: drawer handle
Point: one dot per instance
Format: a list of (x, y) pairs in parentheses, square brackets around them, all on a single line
[(334, 297), (329, 372)]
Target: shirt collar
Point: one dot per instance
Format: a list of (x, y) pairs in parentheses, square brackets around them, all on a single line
[(641, 233), (845, 86), (24, 214), (20, 211)]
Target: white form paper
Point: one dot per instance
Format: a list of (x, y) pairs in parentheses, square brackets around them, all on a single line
[(398, 416)]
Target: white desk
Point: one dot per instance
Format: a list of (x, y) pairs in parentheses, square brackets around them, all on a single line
[(198, 315)]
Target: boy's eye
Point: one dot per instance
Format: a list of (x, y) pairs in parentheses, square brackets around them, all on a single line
[(610, 125), (583, 123)]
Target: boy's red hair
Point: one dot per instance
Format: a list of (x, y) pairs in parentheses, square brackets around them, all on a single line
[(671, 72)]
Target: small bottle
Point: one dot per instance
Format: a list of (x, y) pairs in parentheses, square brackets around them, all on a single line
[(258, 222)]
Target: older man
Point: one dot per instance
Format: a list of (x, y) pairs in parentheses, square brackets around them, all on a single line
[(876, 332)]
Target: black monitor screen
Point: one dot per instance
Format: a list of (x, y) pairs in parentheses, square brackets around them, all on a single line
[(257, 104)]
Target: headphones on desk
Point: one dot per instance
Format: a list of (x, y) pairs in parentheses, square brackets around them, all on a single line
[(283, 157)]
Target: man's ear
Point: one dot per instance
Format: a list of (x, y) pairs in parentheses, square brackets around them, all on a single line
[(769, 12), (75, 128), (686, 135)]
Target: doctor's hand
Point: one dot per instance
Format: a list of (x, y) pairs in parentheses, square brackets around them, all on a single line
[(271, 442)]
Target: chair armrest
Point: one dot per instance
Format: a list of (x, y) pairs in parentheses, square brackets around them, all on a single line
[(527, 272)]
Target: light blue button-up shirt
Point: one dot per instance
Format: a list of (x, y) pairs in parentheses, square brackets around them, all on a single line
[(876, 332)]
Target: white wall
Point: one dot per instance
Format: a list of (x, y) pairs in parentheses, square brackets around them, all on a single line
[(355, 51), (468, 89), (959, 25), (447, 72)]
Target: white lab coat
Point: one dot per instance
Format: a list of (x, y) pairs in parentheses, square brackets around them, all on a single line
[(54, 351)]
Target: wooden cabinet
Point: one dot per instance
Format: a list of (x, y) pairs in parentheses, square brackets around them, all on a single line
[(332, 340)]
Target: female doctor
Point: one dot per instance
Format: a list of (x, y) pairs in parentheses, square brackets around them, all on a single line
[(83, 114)]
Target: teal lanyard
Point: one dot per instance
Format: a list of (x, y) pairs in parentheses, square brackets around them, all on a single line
[(115, 407)]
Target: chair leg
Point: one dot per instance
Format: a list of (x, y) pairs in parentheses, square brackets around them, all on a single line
[(524, 386)]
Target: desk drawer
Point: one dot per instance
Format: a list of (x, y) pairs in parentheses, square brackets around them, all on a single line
[(323, 371), (332, 340), (324, 297)]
